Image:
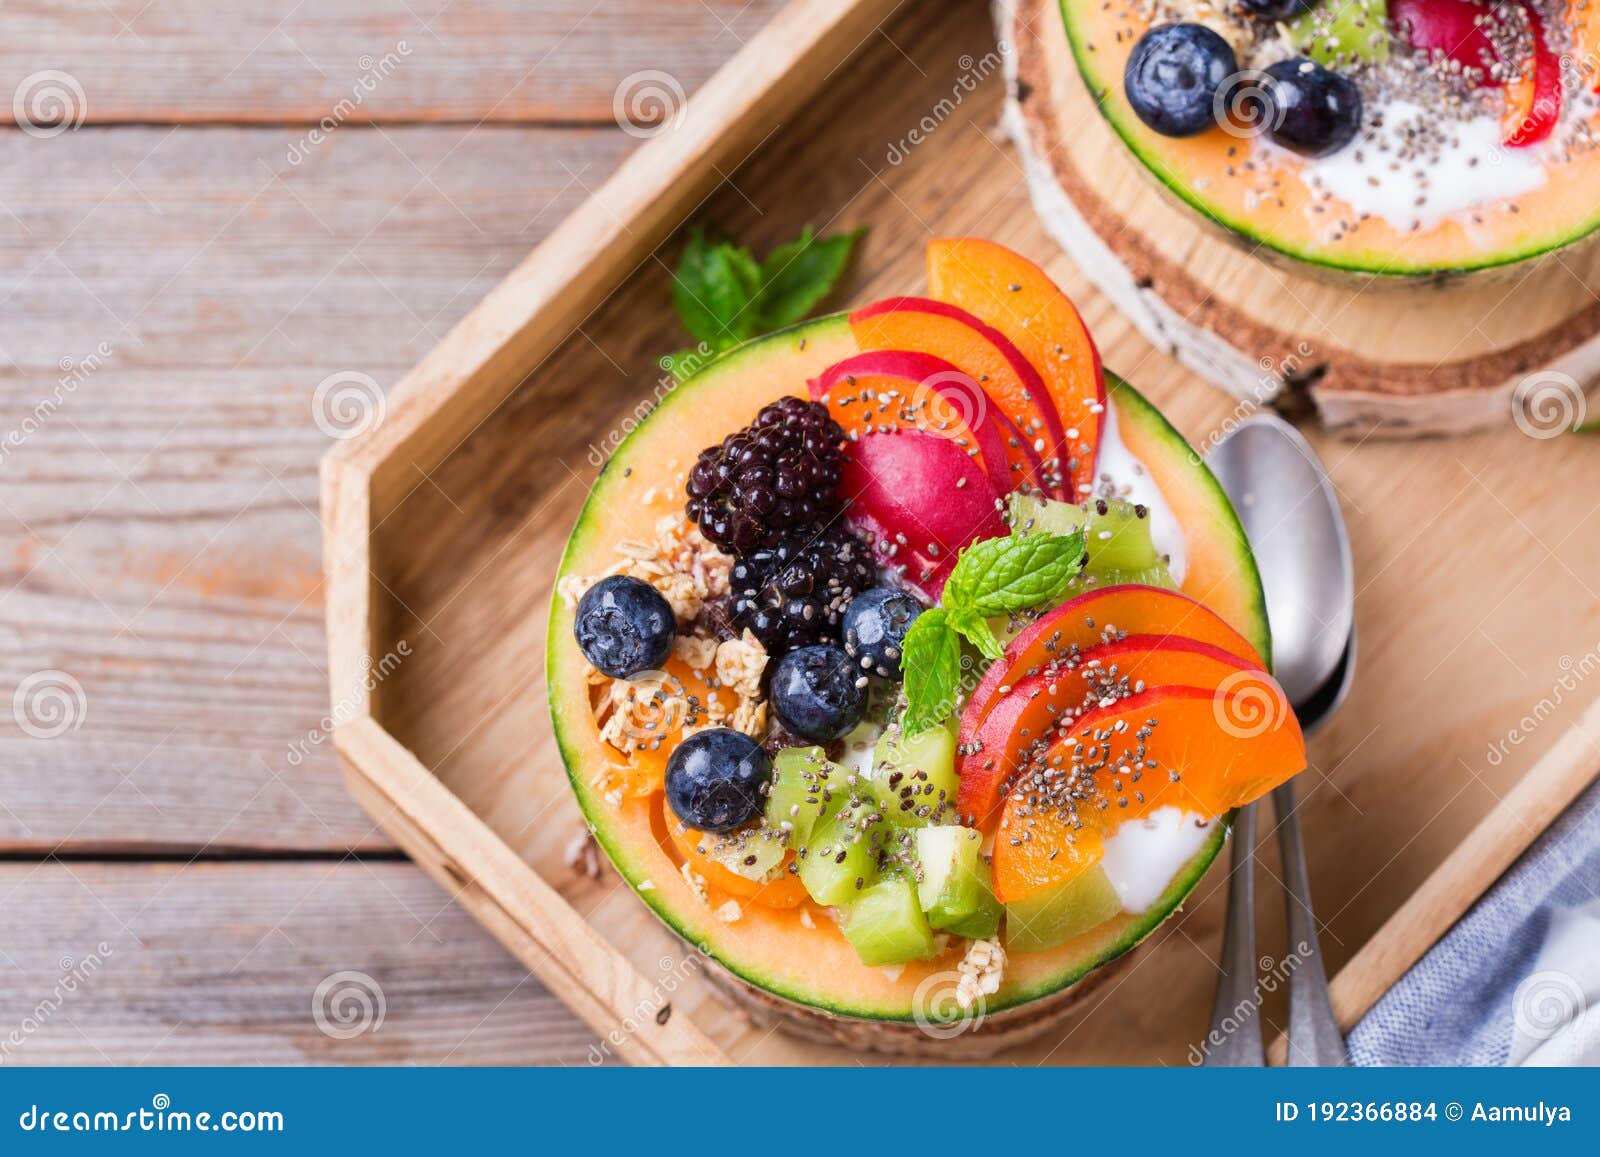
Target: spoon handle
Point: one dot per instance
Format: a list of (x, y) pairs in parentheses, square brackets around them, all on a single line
[(1235, 1037), (1314, 1037)]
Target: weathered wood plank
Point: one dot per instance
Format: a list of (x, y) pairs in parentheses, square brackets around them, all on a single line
[(364, 61), (267, 963), (168, 314)]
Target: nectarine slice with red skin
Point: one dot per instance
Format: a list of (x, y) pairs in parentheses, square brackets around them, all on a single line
[(1212, 750), (1082, 623), (921, 500), (887, 390), (983, 353), (1007, 291), (993, 751)]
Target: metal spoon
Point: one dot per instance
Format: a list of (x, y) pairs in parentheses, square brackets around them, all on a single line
[(1291, 516)]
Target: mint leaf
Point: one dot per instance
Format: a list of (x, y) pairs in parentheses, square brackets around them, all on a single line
[(978, 632), (713, 289), (797, 275), (931, 661), (1002, 575), (725, 297)]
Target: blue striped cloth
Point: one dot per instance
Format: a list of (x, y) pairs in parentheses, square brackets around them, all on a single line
[(1517, 980)]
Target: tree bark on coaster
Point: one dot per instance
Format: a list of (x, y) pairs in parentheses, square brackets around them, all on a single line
[(1375, 359)]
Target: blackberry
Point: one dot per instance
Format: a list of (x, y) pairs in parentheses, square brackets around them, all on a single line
[(778, 475), (794, 593)]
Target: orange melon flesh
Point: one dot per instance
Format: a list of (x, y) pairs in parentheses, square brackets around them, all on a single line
[(1020, 300), (1210, 172), (1228, 746), (771, 948)]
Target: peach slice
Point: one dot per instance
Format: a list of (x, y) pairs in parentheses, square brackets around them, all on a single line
[(1016, 297), (980, 351)]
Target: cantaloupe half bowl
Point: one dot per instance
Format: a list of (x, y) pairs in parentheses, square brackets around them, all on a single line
[(782, 964), (1255, 192)]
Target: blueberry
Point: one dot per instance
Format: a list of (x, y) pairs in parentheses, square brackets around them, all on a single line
[(1278, 9), (875, 625), (624, 626), (714, 779), (816, 693), (1173, 76), (1310, 109)]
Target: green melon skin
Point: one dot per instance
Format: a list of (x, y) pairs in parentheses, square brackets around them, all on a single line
[(573, 731), (1370, 263)]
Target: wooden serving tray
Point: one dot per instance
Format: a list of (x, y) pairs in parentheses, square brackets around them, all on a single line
[(1476, 558)]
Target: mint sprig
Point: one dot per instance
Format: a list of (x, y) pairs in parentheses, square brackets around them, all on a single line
[(725, 296), (998, 576)]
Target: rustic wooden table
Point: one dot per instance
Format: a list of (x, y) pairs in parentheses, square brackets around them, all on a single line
[(258, 199)]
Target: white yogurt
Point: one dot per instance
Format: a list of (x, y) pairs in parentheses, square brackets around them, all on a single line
[(1476, 171), (1133, 483), (1143, 855)]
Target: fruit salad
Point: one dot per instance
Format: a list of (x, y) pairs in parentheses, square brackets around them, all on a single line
[(945, 652), (1385, 135)]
